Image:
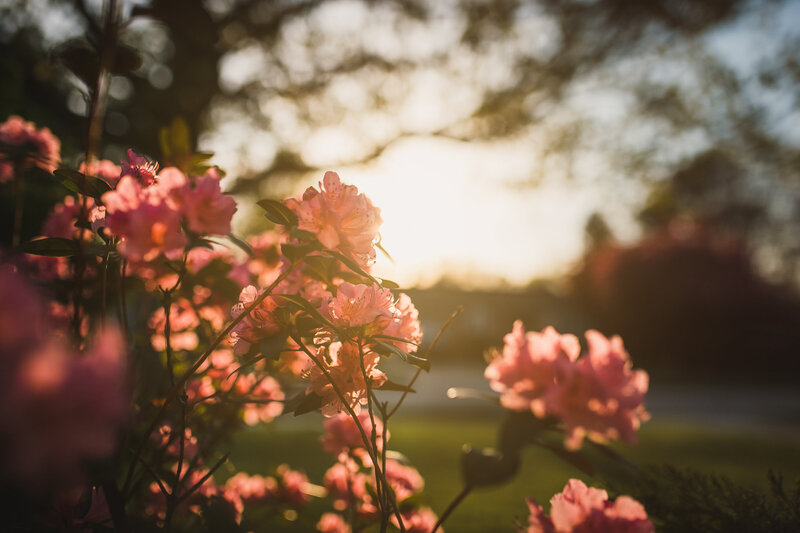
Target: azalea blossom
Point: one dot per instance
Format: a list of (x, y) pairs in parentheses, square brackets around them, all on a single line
[(419, 520), (529, 366), (340, 217), (597, 395), (405, 325), (360, 305), (103, 169), (582, 509), (140, 168), (601, 396), (342, 362), (259, 324), (332, 523), (182, 321), (342, 433), (142, 217), (45, 148), (207, 210)]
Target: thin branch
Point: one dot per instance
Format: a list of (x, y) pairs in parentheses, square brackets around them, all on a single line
[(457, 312)]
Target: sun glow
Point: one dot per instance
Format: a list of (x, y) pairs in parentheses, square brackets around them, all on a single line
[(462, 211)]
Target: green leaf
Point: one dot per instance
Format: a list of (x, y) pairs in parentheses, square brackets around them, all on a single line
[(352, 265), (309, 308), (175, 140), (389, 284), (483, 468), (390, 385), (278, 213), (311, 402), (295, 252), (50, 247), (420, 362), (81, 183), (241, 243), (391, 338)]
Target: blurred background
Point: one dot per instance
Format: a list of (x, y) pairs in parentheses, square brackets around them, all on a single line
[(628, 166)]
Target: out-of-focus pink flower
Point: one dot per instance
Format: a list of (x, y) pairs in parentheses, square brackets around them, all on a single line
[(582, 509), (293, 360), (182, 322), (139, 168), (601, 396), (293, 487), (62, 221), (263, 266), (405, 480), (243, 489), (60, 408), (103, 169), (207, 210), (405, 325), (343, 365), (332, 523), (263, 411), (598, 395), (169, 441), (45, 148), (360, 305), (342, 434), (420, 520), (348, 488), (340, 217), (529, 366), (259, 324), (144, 220)]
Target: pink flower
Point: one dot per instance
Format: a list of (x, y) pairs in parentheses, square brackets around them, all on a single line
[(332, 523), (582, 509), (405, 480), (420, 520), (405, 325), (44, 147), (598, 395), (601, 396), (342, 434), (340, 217), (61, 410), (64, 218), (147, 224), (348, 488), (343, 365), (140, 168), (182, 323), (529, 366), (359, 305), (207, 210), (252, 489), (259, 324), (265, 389), (103, 169), (292, 486)]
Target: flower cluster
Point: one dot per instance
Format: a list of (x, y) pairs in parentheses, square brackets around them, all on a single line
[(340, 217), (357, 320), (151, 213), (58, 408), (34, 146), (597, 395), (582, 509), (351, 481)]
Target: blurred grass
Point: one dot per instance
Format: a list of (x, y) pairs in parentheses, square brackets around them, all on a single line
[(432, 444)]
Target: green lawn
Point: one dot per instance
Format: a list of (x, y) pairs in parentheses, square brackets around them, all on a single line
[(432, 444)]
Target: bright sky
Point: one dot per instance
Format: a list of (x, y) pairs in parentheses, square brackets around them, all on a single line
[(482, 214)]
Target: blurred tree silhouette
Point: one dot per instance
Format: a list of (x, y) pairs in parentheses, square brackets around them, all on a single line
[(638, 93)]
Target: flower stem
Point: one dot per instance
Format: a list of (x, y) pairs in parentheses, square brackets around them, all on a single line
[(453, 504)]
